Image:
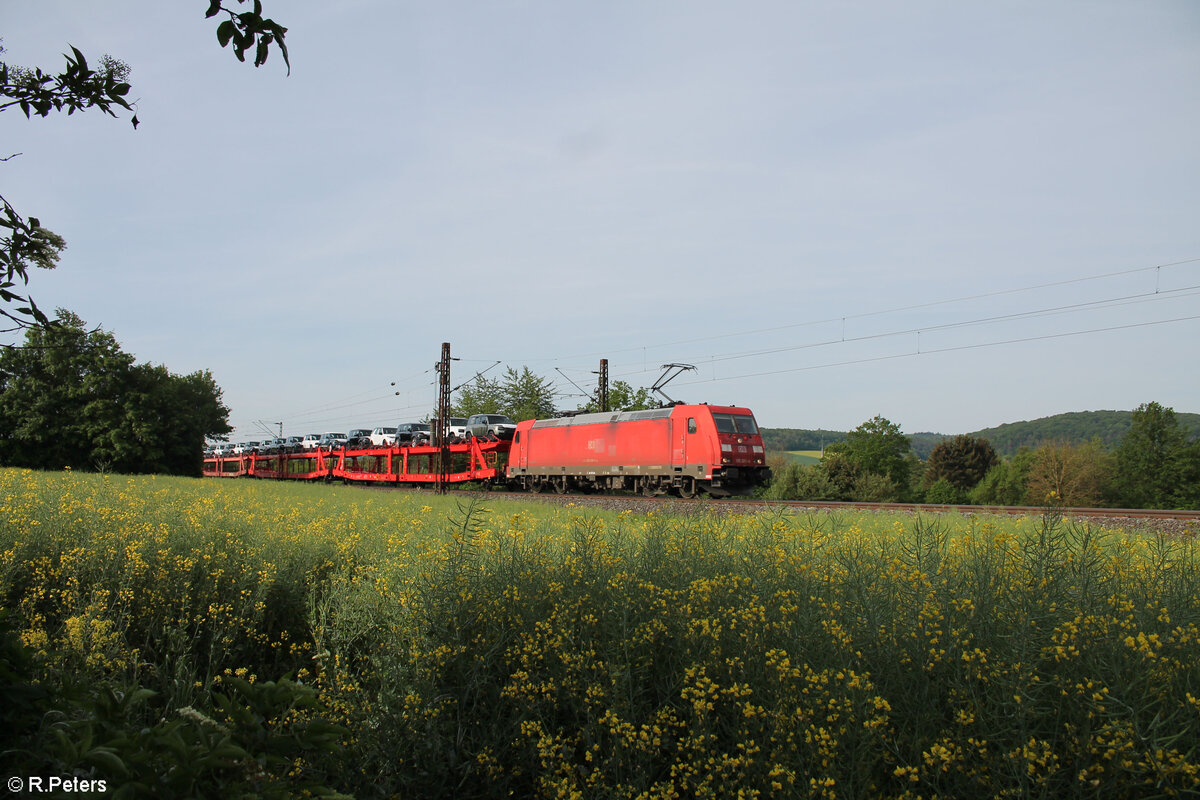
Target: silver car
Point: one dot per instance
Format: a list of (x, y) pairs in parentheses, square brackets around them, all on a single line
[(485, 426), (332, 441)]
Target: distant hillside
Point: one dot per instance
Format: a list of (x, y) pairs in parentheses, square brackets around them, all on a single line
[(793, 439), (1076, 426), (777, 439)]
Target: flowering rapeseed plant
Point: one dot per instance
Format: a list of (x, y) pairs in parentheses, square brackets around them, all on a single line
[(514, 649)]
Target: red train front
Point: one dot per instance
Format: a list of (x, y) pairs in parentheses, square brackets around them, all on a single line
[(682, 448)]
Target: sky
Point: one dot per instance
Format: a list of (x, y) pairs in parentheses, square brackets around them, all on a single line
[(953, 215)]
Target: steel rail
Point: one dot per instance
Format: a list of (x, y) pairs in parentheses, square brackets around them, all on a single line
[(1184, 515)]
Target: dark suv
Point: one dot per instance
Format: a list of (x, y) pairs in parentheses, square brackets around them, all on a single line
[(410, 433)]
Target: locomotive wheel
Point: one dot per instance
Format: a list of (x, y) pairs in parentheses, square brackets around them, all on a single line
[(560, 485), (687, 488), (648, 489)]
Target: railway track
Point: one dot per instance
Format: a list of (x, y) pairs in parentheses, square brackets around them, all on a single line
[(636, 502)]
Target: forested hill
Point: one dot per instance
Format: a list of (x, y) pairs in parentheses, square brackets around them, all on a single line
[(1076, 426), (799, 439), (1007, 439)]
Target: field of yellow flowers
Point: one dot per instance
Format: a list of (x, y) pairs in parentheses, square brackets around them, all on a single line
[(184, 638)]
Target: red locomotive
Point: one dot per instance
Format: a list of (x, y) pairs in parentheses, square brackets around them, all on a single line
[(680, 448)]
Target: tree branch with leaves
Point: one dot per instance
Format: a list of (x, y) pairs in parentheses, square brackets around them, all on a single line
[(24, 242)]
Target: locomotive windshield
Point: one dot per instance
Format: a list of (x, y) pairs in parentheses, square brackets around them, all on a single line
[(735, 423)]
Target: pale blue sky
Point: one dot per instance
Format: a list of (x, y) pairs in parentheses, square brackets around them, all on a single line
[(547, 184)]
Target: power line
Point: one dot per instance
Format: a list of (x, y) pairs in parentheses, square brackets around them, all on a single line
[(945, 350), (882, 312), (1187, 291)]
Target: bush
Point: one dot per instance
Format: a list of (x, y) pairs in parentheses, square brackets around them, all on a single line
[(872, 488), (801, 482), (1006, 483), (945, 493)]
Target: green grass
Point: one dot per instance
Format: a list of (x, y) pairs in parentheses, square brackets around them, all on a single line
[(803, 456)]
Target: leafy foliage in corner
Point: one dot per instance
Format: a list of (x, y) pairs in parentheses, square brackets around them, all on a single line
[(249, 29), (76, 88), (24, 242), (260, 739)]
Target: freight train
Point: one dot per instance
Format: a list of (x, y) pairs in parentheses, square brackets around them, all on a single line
[(677, 449)]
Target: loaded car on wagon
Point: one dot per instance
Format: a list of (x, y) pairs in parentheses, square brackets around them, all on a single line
[(358, 437), (411, 433), (383, 436), (332, 441), (484, 426)]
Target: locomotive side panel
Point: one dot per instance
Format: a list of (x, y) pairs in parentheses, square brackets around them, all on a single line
[(593, 444), (677, 448)]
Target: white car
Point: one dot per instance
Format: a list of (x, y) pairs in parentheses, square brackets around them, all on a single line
[(383, 437), (310, 441)]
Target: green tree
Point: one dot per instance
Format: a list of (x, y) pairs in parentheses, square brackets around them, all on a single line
[(1187, 495), (1062, 473), (518, 394), (1155, 461), (70, 397), (962, 462), (943, 492), (622, 397), (24, 242), (1006, 483), (872, 487), (526, 395), (793, 481), (479, 396), (877, 447), (841, 474)]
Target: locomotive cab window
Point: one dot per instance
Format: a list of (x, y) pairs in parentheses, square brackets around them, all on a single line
[(691, 424), (745, 423), (735, 423)]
